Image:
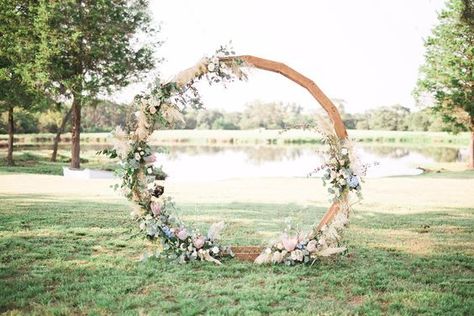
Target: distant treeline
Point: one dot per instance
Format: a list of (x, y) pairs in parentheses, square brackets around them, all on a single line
[(106, 115)]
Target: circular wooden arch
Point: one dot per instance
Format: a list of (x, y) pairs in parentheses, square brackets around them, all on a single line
[(316, 92)]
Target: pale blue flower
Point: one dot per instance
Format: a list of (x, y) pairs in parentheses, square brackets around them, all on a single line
[(166, 230), (353, 182)]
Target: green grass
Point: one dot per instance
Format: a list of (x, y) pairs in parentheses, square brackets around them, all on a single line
[(38, 162), (64, 256)]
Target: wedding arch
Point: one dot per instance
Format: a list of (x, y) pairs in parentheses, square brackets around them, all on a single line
[(142, 180)]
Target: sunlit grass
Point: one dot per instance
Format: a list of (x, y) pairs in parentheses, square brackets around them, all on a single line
[(60, 255), (37, 161)]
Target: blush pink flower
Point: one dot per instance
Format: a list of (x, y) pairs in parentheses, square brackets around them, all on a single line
[(155, 208), (199, 242), (289, 242), (182, 234), (150, 159)]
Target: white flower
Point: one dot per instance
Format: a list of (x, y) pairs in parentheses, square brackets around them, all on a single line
[(142, 225), (322, 242), (142, 153), (344, 151), (297, 255), (311, 246), (137, 157), (149, 170), (215, 250), (277, 257), (211, 67), (152, 109)]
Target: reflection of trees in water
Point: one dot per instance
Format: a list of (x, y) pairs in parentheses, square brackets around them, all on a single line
[(262, 154), (391, 152), (175, 151), (441, 154), (265, 154), (255, 154), (438, 154)]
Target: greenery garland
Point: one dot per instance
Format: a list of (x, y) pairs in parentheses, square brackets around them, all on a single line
[(142, 182)]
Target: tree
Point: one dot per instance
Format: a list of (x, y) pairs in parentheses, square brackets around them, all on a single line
[(263, 115), (17, 47), (447, 76), (391, 118), (89, 48)]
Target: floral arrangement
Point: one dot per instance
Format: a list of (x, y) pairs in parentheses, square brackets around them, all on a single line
[(342, 174), (142, 182)]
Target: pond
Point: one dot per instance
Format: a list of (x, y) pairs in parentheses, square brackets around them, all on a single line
[(208, 163)]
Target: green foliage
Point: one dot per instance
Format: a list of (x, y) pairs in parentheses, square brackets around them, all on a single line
[(389, 118), (263, 115), (105, 115), (92, 47), (448, 73)]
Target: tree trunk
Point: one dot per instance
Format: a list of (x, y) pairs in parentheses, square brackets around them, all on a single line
[(58, 134), (11, 131), (76, 133)]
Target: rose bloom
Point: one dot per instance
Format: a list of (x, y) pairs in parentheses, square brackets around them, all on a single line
[(137, 156), (311, 246), (182, 234), (152, 109), (150, 159), (199, 242), (155, 208)]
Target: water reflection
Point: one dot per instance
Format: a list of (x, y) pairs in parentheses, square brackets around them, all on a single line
[(197, 163), (438, 154), (255, 154), (207, 163)]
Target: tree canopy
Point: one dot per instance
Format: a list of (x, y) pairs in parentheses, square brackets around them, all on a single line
[(447, 76), (88, 48)]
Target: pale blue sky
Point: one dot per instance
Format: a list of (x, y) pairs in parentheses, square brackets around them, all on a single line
[(366, 52)]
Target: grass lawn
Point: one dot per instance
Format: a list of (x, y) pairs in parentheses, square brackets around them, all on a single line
[(38, 161), (65, 248)]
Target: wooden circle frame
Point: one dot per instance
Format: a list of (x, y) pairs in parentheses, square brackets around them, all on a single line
[(150, 208)]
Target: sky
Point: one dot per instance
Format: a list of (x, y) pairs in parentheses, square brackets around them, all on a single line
[(366, 52)]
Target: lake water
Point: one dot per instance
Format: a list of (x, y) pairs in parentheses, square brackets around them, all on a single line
[(208, 163)]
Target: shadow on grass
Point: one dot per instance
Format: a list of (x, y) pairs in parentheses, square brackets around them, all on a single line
[(77, 257)]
